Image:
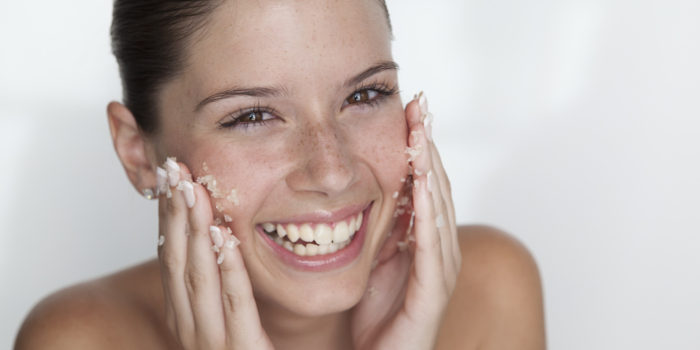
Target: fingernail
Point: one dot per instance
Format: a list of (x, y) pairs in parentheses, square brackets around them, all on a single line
[(410, 223), (232, 242), (423, 103), (216, 236), (161, 240), (430, 180), (188, 190), (428, 126), (161, 180), (414, 152), (173, 171), (148, 193), (220, 259), (415, 135)]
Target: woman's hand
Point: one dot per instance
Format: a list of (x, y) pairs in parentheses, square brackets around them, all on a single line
[(207, 305), (409, 289)]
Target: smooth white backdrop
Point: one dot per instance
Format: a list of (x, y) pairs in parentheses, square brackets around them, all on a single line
[(572, 124)]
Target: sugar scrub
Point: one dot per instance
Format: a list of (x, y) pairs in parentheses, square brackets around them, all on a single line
[(212, 185)]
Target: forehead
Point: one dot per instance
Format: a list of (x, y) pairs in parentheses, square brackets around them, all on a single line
[(270, 42)]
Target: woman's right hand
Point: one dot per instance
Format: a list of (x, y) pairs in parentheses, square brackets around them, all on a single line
[(207, 305)]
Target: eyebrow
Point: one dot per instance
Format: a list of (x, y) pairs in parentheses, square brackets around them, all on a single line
[(273, 91), (380, 67)]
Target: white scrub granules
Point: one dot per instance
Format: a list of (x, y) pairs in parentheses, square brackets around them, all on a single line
[(233, 197), (414, 152), (439, 221), (211, 184), (209, 181), (402, 246)]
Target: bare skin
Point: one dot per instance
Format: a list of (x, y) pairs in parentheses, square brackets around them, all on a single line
[(327, 134), (497, 304)]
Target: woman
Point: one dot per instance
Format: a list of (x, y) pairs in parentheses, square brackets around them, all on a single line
[(301, 206)]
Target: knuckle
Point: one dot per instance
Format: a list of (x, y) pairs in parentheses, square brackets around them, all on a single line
[(231, 299), (194, 279), (170, 262)]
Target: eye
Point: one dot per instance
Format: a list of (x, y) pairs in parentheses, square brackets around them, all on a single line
[(252, 117), (361, 96), (256, 116)]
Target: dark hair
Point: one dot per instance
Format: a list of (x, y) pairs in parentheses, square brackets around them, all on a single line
[(148, 40)]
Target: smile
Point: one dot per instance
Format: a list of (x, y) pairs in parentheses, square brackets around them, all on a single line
[(319, 241), (310, 239)]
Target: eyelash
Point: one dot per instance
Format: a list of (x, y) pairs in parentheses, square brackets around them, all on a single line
[(234, 119), (383, 91)]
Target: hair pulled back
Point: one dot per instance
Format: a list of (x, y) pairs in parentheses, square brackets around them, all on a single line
[(149, 39)]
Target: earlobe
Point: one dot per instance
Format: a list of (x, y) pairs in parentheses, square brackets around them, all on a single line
[(131, 145)]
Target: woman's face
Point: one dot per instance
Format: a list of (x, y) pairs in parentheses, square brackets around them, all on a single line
[(293, 104)]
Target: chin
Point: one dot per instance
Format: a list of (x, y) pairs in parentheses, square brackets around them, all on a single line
[(329, 297)]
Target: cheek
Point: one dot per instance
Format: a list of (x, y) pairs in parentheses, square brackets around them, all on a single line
[(382, 142), (238, 168)]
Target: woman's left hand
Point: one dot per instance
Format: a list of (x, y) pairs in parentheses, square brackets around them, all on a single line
[(409, 289)]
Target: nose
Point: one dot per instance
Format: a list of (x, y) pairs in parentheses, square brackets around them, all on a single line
[(324, 163)]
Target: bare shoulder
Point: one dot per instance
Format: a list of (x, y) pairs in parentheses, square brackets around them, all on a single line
[(497, 302), (116, 311)]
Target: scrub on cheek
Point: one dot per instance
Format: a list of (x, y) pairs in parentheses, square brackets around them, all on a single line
[(212, 185)]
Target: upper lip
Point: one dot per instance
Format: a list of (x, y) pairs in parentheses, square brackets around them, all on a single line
[(321, 215)]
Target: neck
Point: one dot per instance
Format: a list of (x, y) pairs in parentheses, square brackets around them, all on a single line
[(292, 331)]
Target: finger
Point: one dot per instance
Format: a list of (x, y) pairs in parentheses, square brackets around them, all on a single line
[(172, 254), (201, 273), (413, 110), (424, 165), (443, 183), (243, 326), (445, 229), (428, 248)]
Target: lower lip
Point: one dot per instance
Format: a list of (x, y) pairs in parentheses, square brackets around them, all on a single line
[(325, 262)]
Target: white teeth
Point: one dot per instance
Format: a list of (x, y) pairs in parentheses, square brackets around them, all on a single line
[(341, 232), (323, 249), (299, 249), (320, 240), (323, 234), (292, 232), (306, 233), (281, 231), (351, 224), (311, 249)]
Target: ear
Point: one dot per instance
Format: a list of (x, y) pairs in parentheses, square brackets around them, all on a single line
[(132, 147)]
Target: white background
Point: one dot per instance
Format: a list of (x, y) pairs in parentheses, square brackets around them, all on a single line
[(572, 124)]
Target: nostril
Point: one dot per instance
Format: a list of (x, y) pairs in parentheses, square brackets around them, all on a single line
[(326, 170)]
